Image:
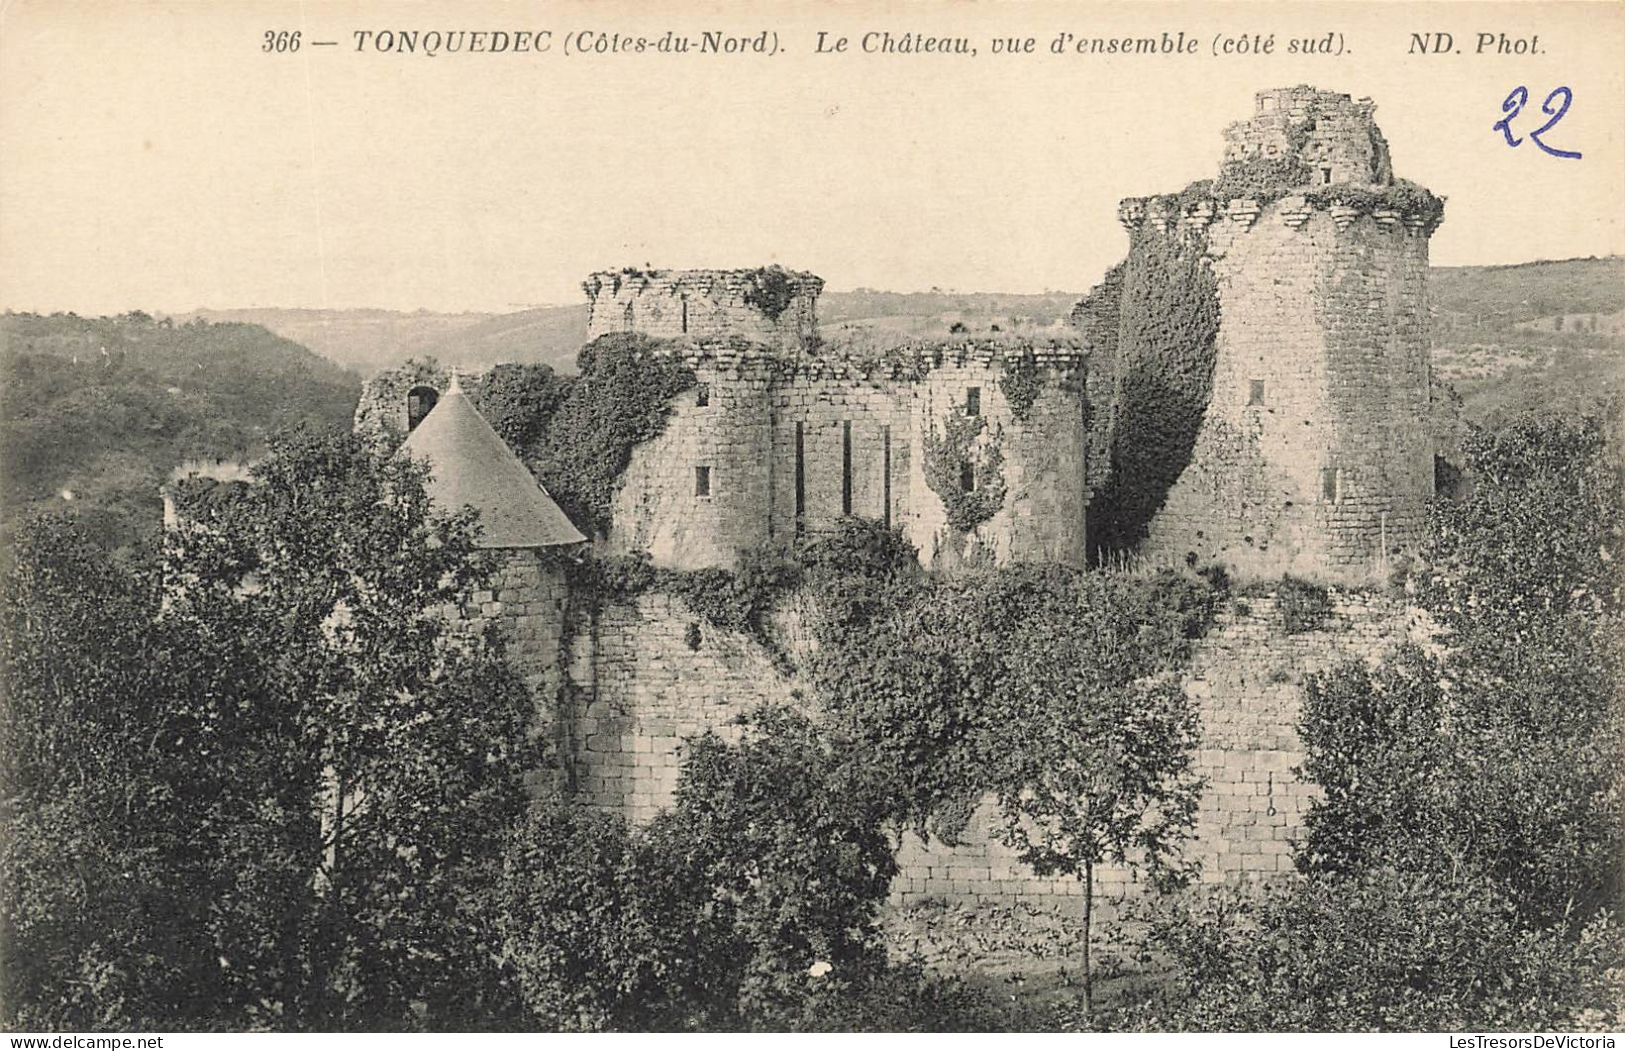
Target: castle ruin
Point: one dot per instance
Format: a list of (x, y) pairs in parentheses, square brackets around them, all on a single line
[(1311, 455)]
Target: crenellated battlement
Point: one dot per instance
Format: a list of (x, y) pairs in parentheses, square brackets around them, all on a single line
[(768, 305)]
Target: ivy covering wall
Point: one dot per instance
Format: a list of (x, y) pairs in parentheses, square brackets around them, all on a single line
[(1168, 324)]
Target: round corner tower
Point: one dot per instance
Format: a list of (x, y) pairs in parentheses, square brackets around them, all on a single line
[(769, 305), (703, 490), (1314, 454)]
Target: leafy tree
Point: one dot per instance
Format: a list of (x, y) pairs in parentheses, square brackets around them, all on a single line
[(101, 784), (337, 758), (1498, 752), (603, 929), (1107, 778), (772, 860)]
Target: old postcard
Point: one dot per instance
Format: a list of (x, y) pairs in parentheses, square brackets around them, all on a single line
[(879, 517)]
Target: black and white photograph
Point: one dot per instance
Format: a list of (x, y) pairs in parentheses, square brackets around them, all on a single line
[(878, 517)]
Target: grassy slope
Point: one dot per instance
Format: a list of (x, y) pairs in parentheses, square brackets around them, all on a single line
[(104, 408), (1546, 335)]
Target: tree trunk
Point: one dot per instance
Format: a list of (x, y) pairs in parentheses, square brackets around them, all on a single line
[(1088, 909)]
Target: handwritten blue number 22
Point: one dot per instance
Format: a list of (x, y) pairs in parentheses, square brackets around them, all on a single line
[(1514, 104)]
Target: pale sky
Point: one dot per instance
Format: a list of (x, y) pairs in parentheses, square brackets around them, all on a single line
[(152, 157)]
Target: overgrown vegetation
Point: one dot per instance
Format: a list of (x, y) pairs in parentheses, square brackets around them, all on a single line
[(1302, 604), (770, 289), (619, 398), (966, 474), (264, 783), (1462, 866), (1021, 383), (1168, 325), (99, 411)]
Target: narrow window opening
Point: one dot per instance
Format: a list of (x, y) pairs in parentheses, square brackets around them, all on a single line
[(702, 394), (1331, 479), (801, 480), (846, 467), (685, 314), (1255, 392), (627, 318), (973, 401), (418, 403), (967, 477), (885, 473), (702, 481), (1325, 176)]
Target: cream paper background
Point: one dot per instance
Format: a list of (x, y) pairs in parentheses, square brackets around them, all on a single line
[(153, 157)]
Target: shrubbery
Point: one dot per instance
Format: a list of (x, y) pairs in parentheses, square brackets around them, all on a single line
[(759, 888), (1380, 950), (1302, 604), (1463, 860)]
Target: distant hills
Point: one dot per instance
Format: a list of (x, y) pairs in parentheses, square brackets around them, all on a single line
[(97, 411), (1547, 335), (1508, 338), (369, 340)]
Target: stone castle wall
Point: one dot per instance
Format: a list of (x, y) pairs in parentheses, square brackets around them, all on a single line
[(1314, 454), (529, 600), (702, 491), (789, 448), (646, 676), (1043, 452), (840, 446), (651, 673)]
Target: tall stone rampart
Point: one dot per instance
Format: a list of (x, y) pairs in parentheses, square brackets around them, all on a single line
[(650, 673)]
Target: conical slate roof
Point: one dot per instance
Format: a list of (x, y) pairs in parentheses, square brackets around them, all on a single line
[(470, 466)]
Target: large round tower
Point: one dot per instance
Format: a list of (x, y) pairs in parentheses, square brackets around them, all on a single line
[(1314, 454)]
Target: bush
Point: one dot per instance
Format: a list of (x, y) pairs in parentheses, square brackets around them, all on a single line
[(601, 929), (1385, 950), (899, 999), (772, 860), (1302, 604)]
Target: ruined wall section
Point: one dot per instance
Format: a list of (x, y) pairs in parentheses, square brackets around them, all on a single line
[(770, 305), (1040, 452), (650, 673), (381, 412), (1328, 136), (1247, 679), (646, 675)]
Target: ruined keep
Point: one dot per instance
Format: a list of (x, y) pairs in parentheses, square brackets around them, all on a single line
[(1314, 454), (1307, 450), (770, 305)]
